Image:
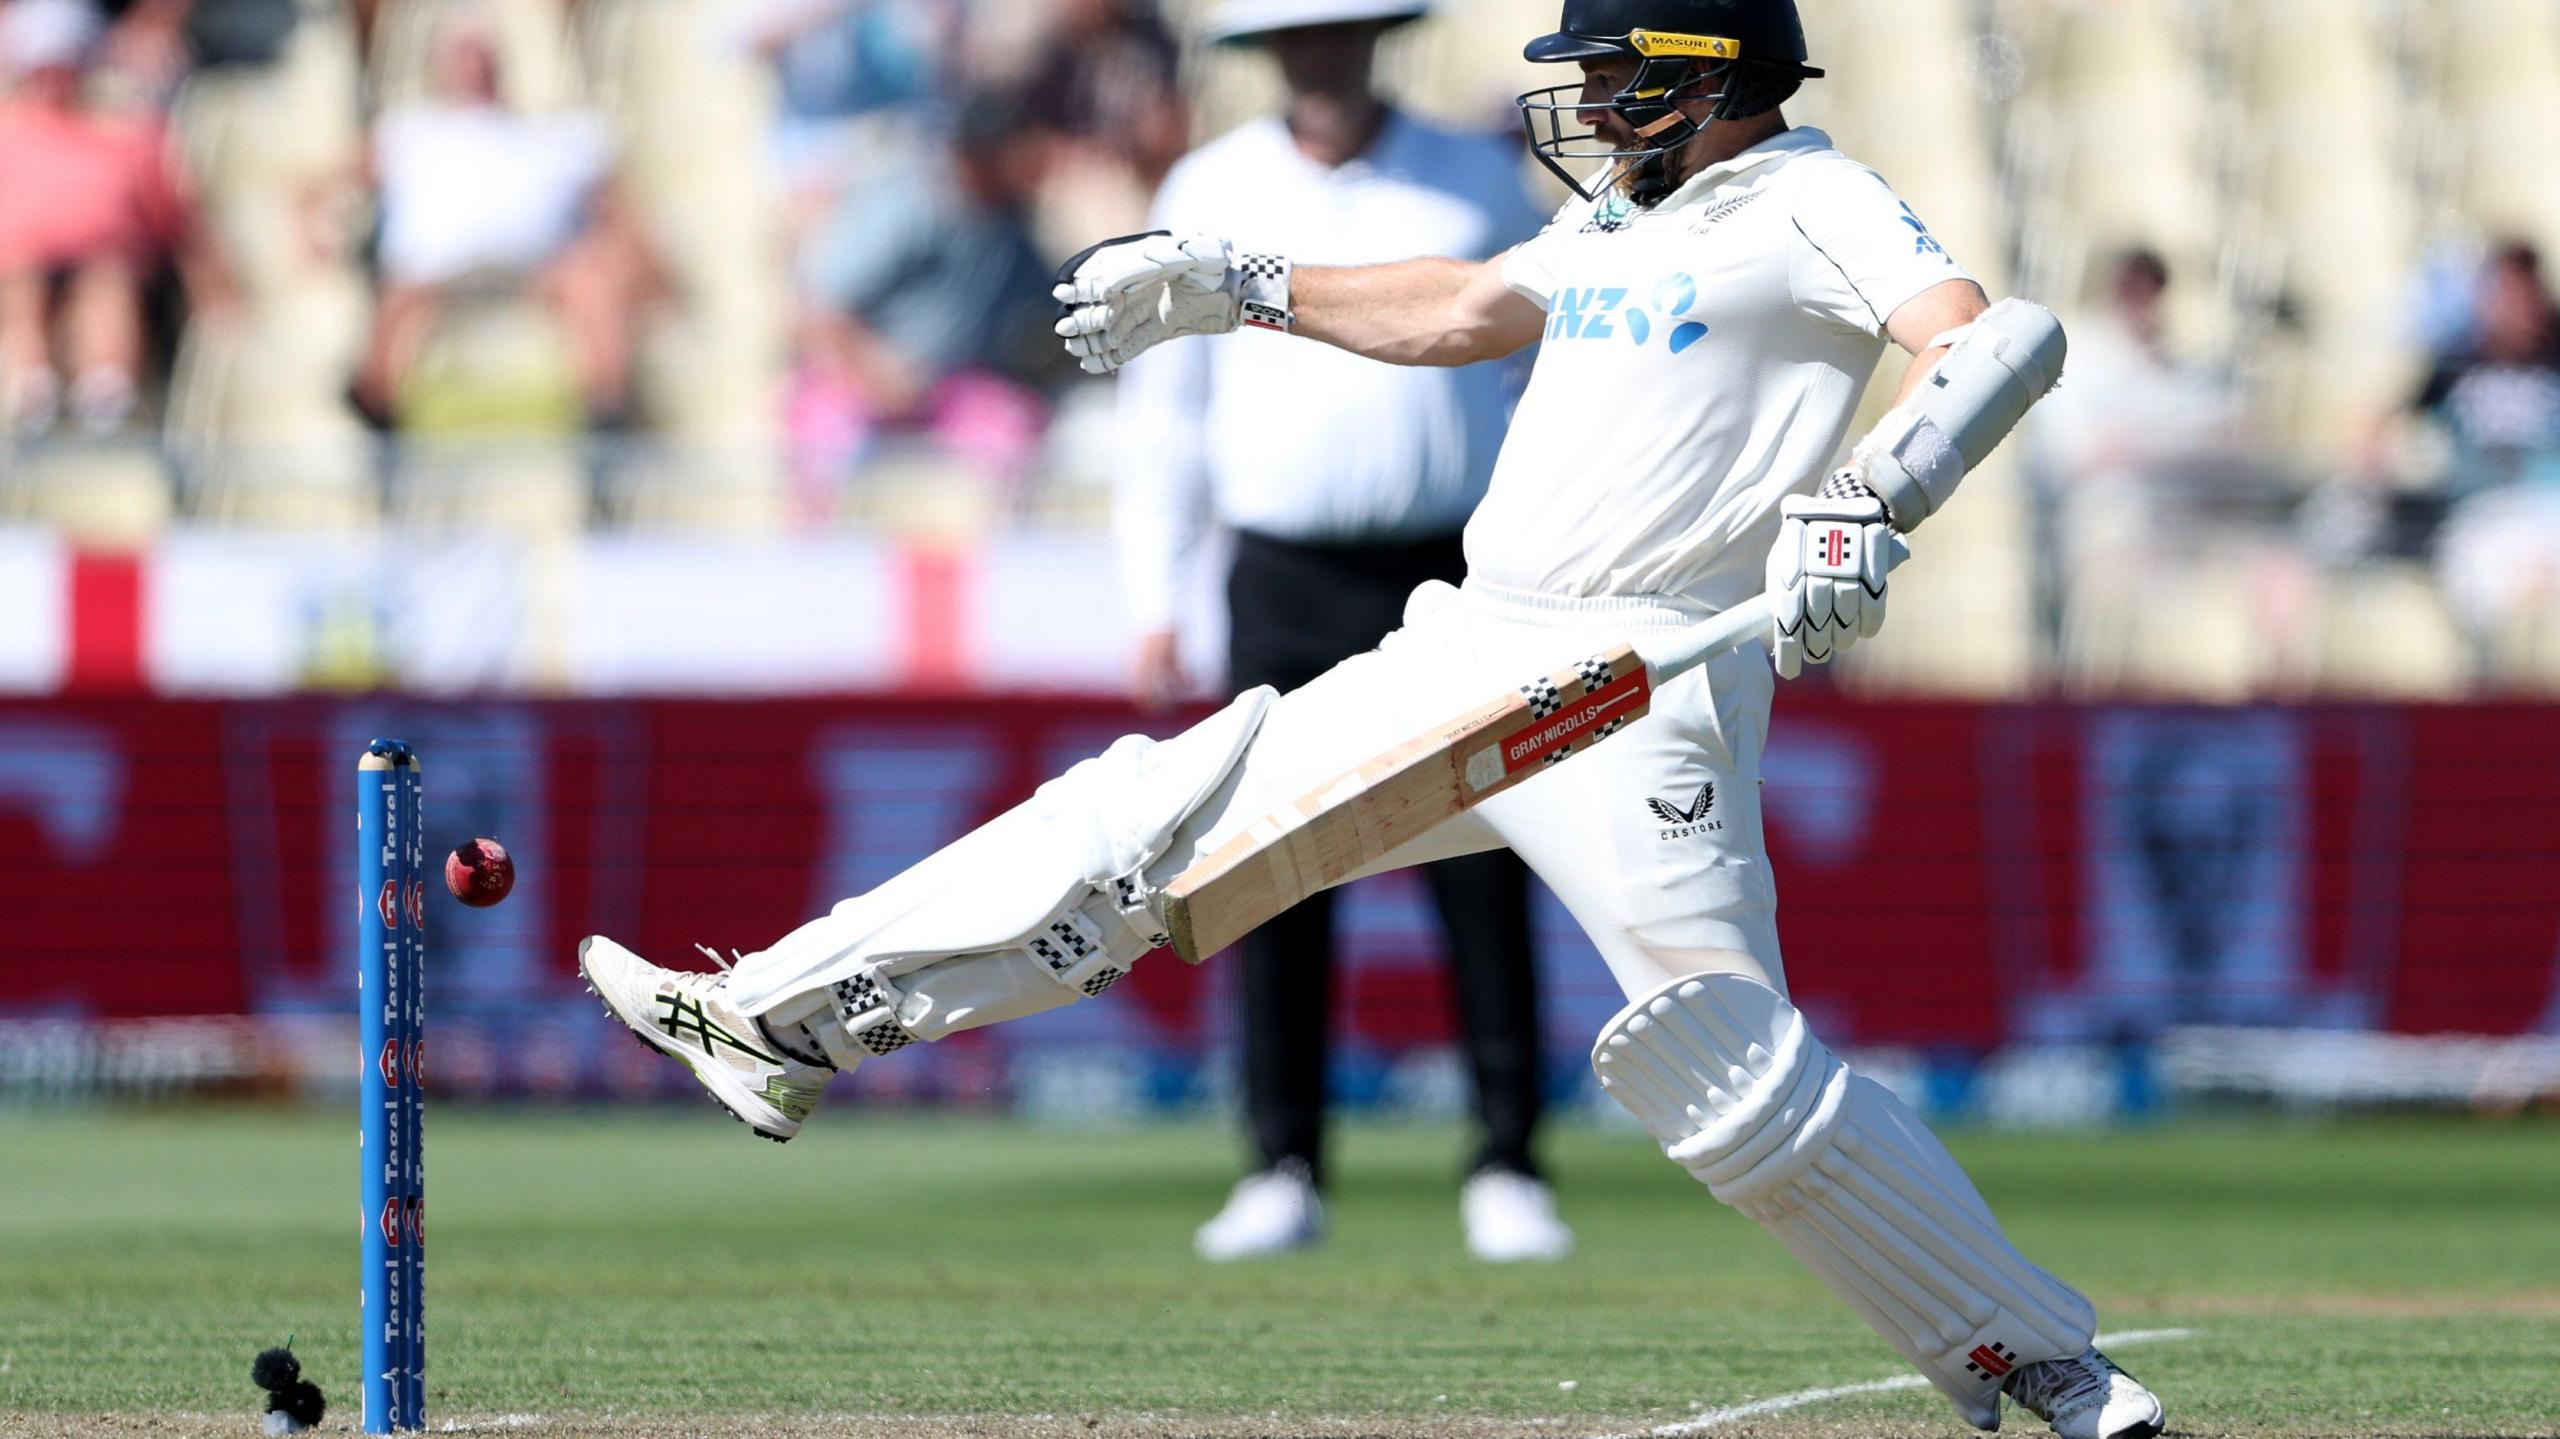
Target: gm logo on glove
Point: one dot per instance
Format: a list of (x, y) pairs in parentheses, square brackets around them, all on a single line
[(1832, 550)]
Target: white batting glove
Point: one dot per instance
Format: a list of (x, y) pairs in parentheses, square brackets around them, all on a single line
[(1827, 572), (1123, 297)]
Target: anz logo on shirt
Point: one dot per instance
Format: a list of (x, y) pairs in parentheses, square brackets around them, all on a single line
[(1606, 312)]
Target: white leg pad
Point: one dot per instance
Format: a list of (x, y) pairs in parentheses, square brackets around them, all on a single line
[(1726, 1074), (1038, 907)]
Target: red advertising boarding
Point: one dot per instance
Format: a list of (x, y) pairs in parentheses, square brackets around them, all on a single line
[(1951, 873)]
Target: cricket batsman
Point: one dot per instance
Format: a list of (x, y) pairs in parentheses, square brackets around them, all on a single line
[(1712, 301)]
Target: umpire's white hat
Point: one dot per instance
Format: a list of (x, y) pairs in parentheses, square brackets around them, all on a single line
[(1242, 20)]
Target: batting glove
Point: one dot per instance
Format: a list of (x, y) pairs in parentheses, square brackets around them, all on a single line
[(1827, 572), (1123, 297)]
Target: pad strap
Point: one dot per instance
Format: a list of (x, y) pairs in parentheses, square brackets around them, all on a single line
[(1084, 951), (1072, 951), (866, 1008)]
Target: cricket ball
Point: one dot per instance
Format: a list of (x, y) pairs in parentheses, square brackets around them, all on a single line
[(479, 873)]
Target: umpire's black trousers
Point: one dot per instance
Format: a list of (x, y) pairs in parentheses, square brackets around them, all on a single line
[(1296, 610)]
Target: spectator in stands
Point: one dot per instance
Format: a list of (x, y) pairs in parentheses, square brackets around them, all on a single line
[(90, 210), (925, 306), (1107, 75), (2132, 462), (2497, 399), (143, 56), (479, 200), (229, 32), (2136, 406), (849, 76), (2498, 395)]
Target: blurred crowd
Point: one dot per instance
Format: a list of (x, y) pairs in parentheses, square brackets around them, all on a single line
[(2150, 465), (274, 223), (94, 210), (754, 265)]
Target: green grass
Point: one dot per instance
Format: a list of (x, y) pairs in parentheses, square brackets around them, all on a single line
[(2400, 1278)]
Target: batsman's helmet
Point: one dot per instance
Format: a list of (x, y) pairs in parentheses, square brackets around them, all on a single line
[(1744, 56)]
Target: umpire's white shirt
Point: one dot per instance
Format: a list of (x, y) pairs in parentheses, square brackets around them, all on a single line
[(1296, 440), (1703, 360)]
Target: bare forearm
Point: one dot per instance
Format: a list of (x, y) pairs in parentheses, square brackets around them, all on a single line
[(1124, 297), (1410, 312), (1918, 370)]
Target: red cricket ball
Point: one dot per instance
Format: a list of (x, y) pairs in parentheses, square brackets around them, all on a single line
[(479, 873)]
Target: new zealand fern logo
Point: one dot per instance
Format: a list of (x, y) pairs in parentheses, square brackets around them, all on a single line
[(1603, 312), (1689, 821)]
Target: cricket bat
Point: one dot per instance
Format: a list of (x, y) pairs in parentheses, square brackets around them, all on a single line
[(1352, 821)]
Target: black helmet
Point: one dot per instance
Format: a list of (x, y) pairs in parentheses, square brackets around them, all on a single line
[(1747, 56)]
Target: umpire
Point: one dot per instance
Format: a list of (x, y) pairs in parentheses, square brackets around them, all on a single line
[(1342, 499)]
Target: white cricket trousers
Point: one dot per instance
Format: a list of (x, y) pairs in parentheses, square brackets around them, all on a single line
[(1651, 838)]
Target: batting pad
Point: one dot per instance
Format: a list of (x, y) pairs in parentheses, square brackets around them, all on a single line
[(1724, 1072), (1042, 905)]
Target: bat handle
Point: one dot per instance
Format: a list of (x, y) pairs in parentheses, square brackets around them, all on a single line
[(1731, 630), (1707, 639)]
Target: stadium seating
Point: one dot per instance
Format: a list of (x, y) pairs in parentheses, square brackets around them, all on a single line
[(2294, 161)]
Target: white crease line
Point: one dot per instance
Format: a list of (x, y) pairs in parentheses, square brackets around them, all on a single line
[(1779, 1404)]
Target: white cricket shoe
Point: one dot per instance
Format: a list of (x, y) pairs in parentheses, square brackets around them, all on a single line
[(1511, 1217), (687, 1015), (1272, 1212), (2086, 1397)]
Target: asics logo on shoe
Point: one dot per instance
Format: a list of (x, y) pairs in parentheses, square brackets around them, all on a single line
[(684, 1015)]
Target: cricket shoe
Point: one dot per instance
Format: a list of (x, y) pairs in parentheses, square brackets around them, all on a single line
[(1272, 1212), (1510, 1218), (2086, 1397), (687, 1015)]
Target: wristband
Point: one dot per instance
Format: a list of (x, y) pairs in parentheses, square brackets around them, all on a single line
[(1262, 292), (1846, 484)]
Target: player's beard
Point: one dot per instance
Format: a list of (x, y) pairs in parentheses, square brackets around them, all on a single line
[(1643, 180), (1646, 181), (1628, 180)]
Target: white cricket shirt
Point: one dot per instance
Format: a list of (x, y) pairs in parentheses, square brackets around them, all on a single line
[(1702, 361), (1296, 440)]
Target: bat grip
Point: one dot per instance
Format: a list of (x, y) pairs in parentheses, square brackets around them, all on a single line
[(1731, 630), (1707, 639)]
